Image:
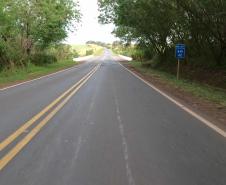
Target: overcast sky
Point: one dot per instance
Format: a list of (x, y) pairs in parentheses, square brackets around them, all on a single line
[(90, 29)]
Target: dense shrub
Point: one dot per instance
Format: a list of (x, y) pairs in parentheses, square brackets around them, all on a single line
[(137, 54), (63, 52), (42, 59), (75, 54), (89, 52)]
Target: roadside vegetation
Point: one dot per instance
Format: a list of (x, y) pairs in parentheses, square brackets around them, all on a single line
[(32, 71), (31, 35), (88, 49), (149, 31)]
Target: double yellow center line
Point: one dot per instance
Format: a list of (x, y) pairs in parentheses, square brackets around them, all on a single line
[(52, 108)]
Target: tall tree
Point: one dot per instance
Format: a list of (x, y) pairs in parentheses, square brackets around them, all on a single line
[(160, 24), (31, 25)]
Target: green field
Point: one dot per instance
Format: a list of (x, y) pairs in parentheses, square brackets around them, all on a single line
[(82, 49)]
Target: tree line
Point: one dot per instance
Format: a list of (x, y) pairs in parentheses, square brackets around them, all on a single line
[(30, 28), (156, 26), (98, 43)]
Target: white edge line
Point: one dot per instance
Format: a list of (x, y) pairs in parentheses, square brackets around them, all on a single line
[(39, 78), (186, 109)]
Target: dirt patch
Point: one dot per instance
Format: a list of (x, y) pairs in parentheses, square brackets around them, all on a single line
[(211, 111)]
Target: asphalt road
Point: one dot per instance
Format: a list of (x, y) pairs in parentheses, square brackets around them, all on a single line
[(115, 130)]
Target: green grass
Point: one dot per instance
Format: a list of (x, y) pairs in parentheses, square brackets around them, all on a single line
[(200, 90), (126, 51), (81, 49), (99, 51), (31, 72)]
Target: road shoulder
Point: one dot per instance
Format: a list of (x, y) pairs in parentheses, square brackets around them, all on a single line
[(206, 109)]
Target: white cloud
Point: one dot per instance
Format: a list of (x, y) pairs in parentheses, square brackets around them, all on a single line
[(90, 29)]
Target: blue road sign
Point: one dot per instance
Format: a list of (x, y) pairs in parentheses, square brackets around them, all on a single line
[(180, 51)]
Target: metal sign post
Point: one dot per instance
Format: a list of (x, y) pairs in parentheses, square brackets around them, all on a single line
[(180, 55), (178, 69)]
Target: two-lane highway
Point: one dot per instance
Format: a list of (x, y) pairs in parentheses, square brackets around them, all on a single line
[(109, 128)]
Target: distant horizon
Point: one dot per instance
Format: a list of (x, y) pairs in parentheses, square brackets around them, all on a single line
[(84, 43)]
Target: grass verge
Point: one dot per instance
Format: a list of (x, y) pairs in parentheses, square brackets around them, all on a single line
[(99, 51), (203, 91), (8, 77)]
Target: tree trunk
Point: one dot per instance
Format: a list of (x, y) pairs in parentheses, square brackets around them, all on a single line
[(28, 47)]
